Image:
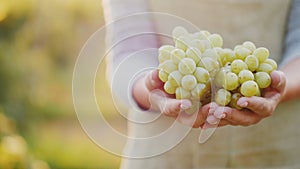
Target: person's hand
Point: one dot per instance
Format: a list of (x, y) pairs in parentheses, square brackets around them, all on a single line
[(148, 92), (254, 108)]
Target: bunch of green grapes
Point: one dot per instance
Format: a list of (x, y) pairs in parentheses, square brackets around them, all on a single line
[(186, 67), (245, 72), (197, 63)]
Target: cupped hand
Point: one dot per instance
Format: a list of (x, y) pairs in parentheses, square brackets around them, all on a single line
[(254, 108), (148, 92)]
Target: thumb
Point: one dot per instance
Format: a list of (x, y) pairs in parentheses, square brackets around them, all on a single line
[(153, 81), (278, 80)]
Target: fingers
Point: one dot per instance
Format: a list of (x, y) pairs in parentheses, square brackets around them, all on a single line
[(243, 118), (152, 81), (262, 106), (169, 106), (278, 81)]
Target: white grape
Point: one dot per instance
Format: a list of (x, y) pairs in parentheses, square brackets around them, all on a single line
[(209, 64), (216, 40), (211, 53), (219, 78), (200, 36), (237, 47), (187, 66), (249, 88), (228, 55), (263, 79), (163, 76), (169, 88), (202, 45), (234, 99), (272, 63), (242, 53), (188, 82), (167, 66), (179, 31), (252, 62), (164, 53), (205, 32), (199, 91), (262, 54), (230, 81), (175, 78), (181, 93), (182, 42), (238, 65), (222, 97), (249, 45), (177, 55), (264, 67), (245, 75), (201, 74), (194, 54)]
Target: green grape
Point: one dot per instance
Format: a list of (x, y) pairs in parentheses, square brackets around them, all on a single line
[(262, 54), (216, 40), (211, 53), (179, 31), (218, 50), (219, 78), (249, 88), (199, 36), (263, 79), (164, 53), (230, 81), (237, 47), (228, 55), (163, 76), (199, 91), (169, 88), (202, 45), (177, 55), (252, 62), (167, 66), (187, 66), (194, 54), (175, 78), (205, 32), (222, 97), (209, 64), (272, 63), (242, 53), (234, 99), (238, 65), (264, 67), (245, 75), (181, 93), (188, 82), (182, 42), (249, 45), (201, 74)]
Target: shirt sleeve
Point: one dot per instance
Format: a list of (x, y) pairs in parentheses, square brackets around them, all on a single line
[(292, 42), (129, 32)]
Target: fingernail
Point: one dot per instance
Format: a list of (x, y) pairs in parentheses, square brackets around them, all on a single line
[(212, 120), (185, 105), (242, 102)]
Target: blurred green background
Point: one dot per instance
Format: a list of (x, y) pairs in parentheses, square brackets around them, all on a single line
[(39, 43)]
